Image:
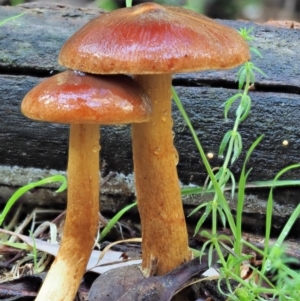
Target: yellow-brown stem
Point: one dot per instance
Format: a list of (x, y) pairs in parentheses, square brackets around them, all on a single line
[(155, 158), (65, 274)]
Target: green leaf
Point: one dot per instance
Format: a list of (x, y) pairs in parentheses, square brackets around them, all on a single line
[(259, 70), (224, 142), (245, 33), (256, 51), (210, 255), (222, 238), (228, 103), (198, 208), (204, 216), (226, 176), (237, 147), (250, 72), (241, 77), (246, 108), (233, 185), (206, 234), (222, 216)]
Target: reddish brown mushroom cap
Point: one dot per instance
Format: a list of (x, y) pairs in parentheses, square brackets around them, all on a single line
[(149, 38), (74, 97)]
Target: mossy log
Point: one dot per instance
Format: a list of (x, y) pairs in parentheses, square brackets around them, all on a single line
[(29, 47)]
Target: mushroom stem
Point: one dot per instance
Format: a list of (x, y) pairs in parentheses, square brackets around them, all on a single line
[(81, 223), (155, 158)]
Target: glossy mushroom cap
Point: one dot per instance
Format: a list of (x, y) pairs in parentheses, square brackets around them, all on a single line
[(75, 97), (150, 38)]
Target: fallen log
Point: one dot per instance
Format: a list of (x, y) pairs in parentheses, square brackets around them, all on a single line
[(29, 150)]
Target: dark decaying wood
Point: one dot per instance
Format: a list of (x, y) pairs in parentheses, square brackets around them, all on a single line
[(29, 47)]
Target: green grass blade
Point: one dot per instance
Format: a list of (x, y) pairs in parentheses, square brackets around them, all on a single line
[(17, 245), (254, 184), (107, 5), (287, 226), (216, 185), (241, 200), (114, 220), (24, 189), (10, 19), (128, 3)]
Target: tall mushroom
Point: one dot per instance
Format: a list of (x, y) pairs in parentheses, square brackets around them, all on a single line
[(152, 42), (84, 102)]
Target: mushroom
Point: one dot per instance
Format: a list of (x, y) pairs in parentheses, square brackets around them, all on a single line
[(83, 101), (152, 42)]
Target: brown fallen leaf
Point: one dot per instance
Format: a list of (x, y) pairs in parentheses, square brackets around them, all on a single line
[(26, 286), (114, 283), (155, 288), (163, 288)]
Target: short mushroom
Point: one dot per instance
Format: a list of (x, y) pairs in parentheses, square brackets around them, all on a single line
[(152, 42), (83, 101)]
